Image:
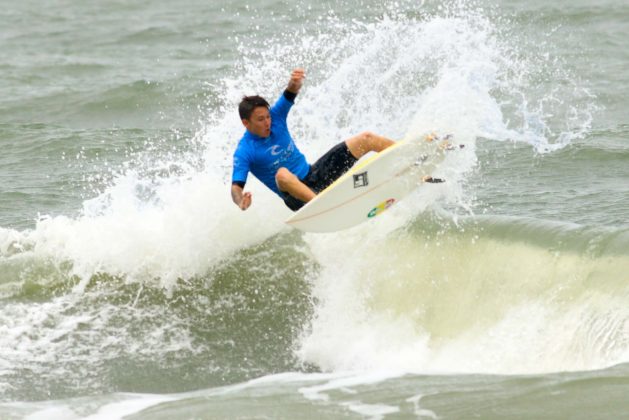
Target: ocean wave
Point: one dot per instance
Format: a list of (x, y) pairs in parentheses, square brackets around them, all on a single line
[(494, 296), (433, 295)]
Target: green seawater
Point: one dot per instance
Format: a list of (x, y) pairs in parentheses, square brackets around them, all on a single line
[(131, 286)]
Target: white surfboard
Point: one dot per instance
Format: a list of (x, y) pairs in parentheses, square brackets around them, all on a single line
[(371, 186)]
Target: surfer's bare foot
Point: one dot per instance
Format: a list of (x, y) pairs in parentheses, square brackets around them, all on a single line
[(431, 137), (444, 141)]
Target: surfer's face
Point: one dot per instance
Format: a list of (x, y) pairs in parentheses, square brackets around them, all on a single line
[(260, 122)]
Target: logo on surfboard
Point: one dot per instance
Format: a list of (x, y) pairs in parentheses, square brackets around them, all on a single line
[(361, 180), (381, 207)]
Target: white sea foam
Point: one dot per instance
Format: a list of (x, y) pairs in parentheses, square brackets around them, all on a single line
[(459, 303)]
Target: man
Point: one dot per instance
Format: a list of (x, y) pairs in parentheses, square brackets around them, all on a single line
[(268, 151)]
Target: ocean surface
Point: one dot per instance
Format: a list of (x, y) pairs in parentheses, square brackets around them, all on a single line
[(132, 287)]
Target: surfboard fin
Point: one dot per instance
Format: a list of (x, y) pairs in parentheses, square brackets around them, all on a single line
[(450, 146), (432, 180)]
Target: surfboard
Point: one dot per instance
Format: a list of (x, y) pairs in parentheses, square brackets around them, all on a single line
[(372, 186)]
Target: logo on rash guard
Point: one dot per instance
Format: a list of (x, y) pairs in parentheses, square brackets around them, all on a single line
[(275, 150)]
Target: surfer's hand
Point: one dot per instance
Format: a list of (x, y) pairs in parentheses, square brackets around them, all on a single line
[(246, 201), (241, 199), (296, 80)]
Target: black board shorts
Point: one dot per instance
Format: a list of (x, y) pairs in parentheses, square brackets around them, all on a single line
[(334, 163)]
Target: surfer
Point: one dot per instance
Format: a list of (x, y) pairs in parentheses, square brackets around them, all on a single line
[(268, 151)]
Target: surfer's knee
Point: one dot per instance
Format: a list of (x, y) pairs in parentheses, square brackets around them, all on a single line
[(372, 142), (360, 144), (283, 177), (367, 137), (369, 142)]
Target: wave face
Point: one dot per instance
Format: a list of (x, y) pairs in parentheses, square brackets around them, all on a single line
[(484, 295), (155, 282)]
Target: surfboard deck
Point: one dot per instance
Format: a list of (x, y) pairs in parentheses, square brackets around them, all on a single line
[(372, 185)]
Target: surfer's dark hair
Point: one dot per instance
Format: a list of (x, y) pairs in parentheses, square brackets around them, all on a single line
[(248, 104)]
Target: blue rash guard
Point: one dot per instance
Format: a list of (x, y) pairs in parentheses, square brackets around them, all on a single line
[(264, 156)]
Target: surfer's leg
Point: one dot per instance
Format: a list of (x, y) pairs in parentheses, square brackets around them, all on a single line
[(289, 183), (366, 142)]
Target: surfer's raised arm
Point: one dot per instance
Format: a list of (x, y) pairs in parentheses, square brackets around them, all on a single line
[(297, 77)]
